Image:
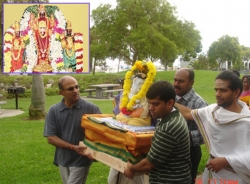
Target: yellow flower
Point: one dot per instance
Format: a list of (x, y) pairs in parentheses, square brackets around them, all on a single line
[(8, 37), (7, 54), (60, 64), (58, 36), (25, 38), (78, 46), (7, 61), (139, 65)]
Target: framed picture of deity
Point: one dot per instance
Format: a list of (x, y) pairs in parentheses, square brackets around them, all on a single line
[(46, 38)]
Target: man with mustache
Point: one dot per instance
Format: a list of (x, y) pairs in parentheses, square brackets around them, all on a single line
[(63, 130), (225, 127), (185, 95)]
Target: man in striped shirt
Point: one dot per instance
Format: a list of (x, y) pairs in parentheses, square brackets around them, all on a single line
[(168, 160)]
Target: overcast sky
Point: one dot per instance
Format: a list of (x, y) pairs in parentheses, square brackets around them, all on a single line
[(216, 18), (213, 18)]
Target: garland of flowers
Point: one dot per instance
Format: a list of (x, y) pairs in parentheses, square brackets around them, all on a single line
[(56, 48), (79, 51), (126, 105), (55, 44), (8, 36)]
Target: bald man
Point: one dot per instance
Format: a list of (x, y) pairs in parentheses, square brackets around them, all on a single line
[(63, 130), (185, 95)]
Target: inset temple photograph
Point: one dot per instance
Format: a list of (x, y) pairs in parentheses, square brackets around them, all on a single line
[(46, 38)]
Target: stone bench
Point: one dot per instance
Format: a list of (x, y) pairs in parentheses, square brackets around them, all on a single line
[(111, 91), (89, 92)]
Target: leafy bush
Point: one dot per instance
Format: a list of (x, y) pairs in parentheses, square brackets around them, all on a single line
[(27, 94), (84, 80), (51, 91)]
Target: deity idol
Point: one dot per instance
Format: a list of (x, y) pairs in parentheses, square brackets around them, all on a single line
[(42, 36), (134, 109), (69, 57), (17, 50)]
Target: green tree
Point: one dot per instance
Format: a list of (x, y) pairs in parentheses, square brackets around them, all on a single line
[(191, 41), (201, 63), (144, 29), (245, 54), (37, 107), (225, 49), (98, 51), (195, 65)]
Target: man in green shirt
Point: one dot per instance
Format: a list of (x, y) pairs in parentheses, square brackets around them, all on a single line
[(168, 160)]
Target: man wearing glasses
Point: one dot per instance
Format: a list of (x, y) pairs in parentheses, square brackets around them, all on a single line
[(63, 130)]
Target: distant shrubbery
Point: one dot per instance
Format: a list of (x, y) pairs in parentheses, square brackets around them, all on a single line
[(84, 80)]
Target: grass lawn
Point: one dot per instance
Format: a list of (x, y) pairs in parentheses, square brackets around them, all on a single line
[(26, 157)]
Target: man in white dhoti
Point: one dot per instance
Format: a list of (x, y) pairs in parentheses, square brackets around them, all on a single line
[(225, 127)]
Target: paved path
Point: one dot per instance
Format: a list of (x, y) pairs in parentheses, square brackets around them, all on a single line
[(9, 112)]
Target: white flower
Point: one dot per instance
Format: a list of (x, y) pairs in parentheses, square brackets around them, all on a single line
[(11, 30), (53, 64), (78, 38), (78, 67), (7, 45), (78, 53), (61, 19), (55, 51), (24, 23), (31, 55)]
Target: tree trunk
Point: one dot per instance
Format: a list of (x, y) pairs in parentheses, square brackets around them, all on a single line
[(118, 67), (37, 107), (93, 69)]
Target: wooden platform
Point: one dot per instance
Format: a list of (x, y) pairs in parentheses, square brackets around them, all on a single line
[(111, 161), (108, 160)]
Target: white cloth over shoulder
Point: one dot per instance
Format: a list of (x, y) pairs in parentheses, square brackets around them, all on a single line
[(226, 134)]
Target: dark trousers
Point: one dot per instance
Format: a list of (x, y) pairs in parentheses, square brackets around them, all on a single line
[(195, 155)]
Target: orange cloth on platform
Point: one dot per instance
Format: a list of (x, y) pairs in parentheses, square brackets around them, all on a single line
[(135, 143)]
